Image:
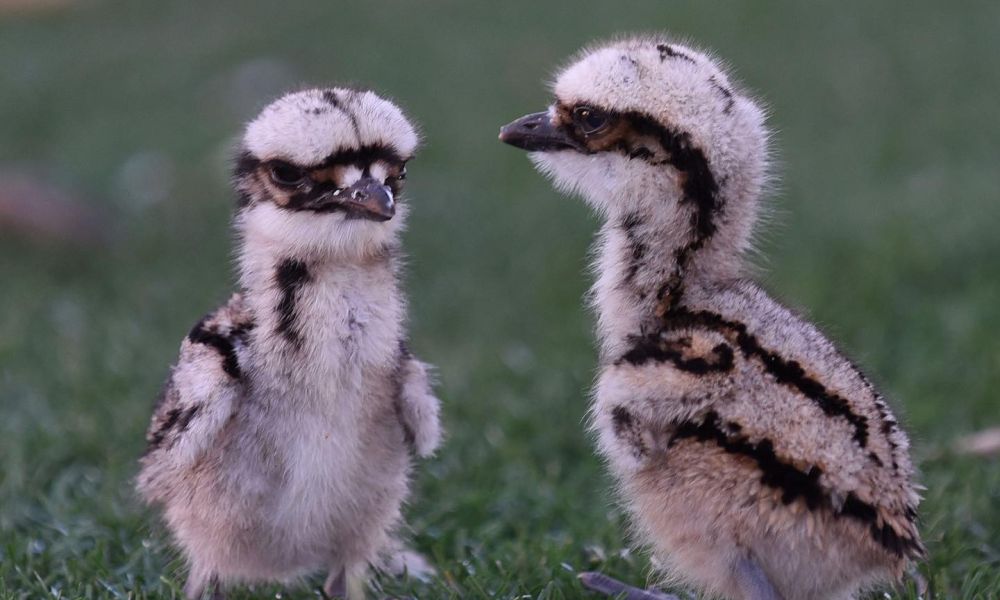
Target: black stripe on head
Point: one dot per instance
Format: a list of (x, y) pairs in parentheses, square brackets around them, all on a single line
[(330, 97), (667, 51), (361, 157), (290, 276), (796, 484), (727, 94)]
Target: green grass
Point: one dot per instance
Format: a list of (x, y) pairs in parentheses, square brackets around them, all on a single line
[(885, 232)]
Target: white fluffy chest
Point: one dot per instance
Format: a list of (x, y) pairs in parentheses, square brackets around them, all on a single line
[(348, 319), (322, 385), (324, 339)]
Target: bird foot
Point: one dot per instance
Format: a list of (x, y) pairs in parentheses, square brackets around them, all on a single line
[(409, 563), (602, 584), (335, 585)]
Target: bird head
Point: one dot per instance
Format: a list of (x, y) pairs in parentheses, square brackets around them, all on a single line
[(321, 171), (642, 124)]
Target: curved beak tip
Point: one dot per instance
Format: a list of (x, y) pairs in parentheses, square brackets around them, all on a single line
[(372, 200), (536, 133)]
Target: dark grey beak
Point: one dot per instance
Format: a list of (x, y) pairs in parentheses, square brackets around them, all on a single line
[(369, 199), (536, 133)]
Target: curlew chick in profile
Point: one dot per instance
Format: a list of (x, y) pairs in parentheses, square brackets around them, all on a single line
[(282, 442), (756, 460)]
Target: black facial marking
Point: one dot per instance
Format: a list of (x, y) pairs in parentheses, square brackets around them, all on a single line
[(315, 196), (362, 157), (246, 164), (290, 276), (700, 191), (698, 184), (223, 342), (667, 51), (641, 152), (727, 94), (794, 483)]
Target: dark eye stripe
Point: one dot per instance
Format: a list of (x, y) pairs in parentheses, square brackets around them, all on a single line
[(363, 156)]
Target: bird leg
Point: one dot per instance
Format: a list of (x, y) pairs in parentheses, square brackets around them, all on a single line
[(753, 582), (217, 593), (194, 589), (602, 584), (336, 584)]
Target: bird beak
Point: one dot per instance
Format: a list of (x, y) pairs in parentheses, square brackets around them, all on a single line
[(369, 199), (536, 133)]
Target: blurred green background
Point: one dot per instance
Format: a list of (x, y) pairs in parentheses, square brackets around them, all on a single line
[(117, 121)]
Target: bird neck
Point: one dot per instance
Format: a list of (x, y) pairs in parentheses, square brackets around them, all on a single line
[(260, 265), (269, 237), (651, 257), (318, 316)]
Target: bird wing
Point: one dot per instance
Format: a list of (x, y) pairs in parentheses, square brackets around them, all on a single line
[(418, 407), (200, 395)]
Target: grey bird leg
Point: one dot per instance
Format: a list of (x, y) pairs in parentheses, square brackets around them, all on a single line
[(217, 593), (753, 582), (602, 584), (194, 589), (336, 585)]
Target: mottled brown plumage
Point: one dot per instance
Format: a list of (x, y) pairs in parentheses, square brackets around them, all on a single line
[(756, 460)]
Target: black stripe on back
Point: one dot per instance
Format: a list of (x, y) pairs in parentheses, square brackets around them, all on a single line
[(796, 484), (785, 371), (223, 343)]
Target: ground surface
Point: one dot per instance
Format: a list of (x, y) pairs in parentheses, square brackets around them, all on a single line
[(884, 230)]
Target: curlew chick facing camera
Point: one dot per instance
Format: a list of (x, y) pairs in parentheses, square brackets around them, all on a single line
[(756, 460), (282, 442)]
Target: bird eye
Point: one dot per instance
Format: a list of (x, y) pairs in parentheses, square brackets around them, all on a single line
[(590, 120), (286, 175), (395, 181)]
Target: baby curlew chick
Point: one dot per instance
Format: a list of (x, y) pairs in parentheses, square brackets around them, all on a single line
[(281, 444), (757, 461)]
